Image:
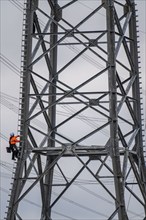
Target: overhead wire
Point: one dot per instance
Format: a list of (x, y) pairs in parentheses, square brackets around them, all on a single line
[(15, 109), (20, 7), (8, 63), (9, 97), (3, 136), (17, 4), (9, 105)]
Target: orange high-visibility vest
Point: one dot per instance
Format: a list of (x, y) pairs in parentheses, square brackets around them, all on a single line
[(13, 140)]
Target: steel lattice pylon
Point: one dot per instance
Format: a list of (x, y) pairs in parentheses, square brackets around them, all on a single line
[(82, 148)]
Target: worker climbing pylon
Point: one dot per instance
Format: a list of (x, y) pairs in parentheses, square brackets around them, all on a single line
[(12, 145)]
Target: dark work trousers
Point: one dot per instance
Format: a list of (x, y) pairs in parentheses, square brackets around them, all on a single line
[(14, 150)]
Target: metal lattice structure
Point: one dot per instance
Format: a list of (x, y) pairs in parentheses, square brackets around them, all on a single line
[(82, 148)]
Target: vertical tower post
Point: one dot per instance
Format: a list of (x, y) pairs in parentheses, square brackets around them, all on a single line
[(46, 214), (114, 143)]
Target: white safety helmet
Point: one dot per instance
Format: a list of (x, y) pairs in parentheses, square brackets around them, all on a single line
[(12, 134)]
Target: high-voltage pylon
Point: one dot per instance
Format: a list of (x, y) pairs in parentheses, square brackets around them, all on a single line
[(82, 147)]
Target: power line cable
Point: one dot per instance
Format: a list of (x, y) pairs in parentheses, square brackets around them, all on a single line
[(17, 4)]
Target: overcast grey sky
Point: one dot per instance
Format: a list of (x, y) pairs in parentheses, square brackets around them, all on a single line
[(10, 46)]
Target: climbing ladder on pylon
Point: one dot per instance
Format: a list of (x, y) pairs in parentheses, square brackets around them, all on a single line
[(24, 47)]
